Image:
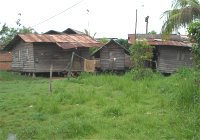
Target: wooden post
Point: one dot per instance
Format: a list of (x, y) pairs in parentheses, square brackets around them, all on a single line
[(33, 75), (70, 68), (50, 79)]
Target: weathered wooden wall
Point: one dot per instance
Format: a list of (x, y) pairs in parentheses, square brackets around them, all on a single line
[(128, 62), (23, 58), (171, 58), (49, 53), (112, 58), (5, 60)]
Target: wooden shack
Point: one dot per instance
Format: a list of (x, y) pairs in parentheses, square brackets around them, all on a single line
[(5, 60), (35, 53), (112, 56), (170, 53)]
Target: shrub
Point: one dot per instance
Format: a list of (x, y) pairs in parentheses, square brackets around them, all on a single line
[(141, 52)]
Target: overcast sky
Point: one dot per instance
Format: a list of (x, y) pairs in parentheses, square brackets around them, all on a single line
[(108, 18)]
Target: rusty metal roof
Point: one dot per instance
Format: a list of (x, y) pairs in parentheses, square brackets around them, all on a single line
[(157, 40), (65, 41), (169, 43), (56, 38)]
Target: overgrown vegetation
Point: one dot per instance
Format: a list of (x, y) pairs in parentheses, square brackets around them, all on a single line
[(101, 107), (194, 33), (141, 54)]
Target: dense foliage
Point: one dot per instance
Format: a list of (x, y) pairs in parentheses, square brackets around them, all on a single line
[(141, 51), (141, 54), (194, 33)]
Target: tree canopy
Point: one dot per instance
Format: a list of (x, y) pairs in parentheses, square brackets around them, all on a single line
[(124, 43), (8, 33), (183, 12)]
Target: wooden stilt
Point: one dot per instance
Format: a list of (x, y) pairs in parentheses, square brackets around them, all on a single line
[(33, 75), (50, 79), (70, 68)]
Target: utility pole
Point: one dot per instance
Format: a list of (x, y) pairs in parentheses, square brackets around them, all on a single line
[(147, 22), (88, 21), (135, 25)]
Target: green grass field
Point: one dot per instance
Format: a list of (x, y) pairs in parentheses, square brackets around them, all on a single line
[(102, 106)]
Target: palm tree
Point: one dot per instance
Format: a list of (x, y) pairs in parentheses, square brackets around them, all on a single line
[(183, 12)]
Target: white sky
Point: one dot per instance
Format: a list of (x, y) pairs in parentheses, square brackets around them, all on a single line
[(108, 18)]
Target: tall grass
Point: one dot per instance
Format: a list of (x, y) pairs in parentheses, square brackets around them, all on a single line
[(103, 106)]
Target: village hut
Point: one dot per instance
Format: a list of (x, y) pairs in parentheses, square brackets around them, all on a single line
[(35, 53), (112, 57), (170, 53)]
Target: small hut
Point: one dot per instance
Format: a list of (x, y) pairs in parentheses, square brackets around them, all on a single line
[(170, 53), (112, 56), (35, 53)]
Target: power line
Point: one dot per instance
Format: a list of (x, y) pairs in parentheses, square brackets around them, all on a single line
[(57, 14)]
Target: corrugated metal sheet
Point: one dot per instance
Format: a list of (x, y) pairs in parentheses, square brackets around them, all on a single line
[(65, 41), (169, 43), (56, 38), (156, 40)]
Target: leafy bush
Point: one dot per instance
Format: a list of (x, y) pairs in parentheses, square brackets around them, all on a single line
[(194, 33), (141, 51)]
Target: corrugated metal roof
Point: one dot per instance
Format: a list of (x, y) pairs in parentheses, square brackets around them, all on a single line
[(156, 40), (65, 41), (56, 38), (169, 43)]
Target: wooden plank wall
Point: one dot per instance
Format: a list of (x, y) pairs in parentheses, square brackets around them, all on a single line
[(128, 62), (106, 58), (5, 60), (171, 58), (23, 58), (49, 53)]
